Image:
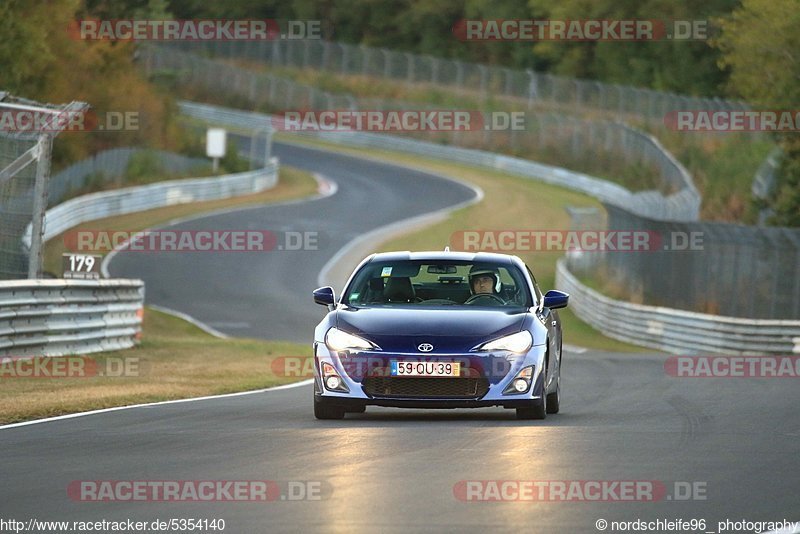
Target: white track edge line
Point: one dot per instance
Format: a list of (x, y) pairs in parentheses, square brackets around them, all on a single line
[(159, 403)]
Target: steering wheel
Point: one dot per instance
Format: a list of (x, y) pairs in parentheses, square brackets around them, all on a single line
[(479, 296)]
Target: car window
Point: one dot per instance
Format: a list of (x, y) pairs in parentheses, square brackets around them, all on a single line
[(437, 283), (536, 289)]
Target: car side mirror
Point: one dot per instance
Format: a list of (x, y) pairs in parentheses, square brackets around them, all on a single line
[(554, 299), (324, 296)]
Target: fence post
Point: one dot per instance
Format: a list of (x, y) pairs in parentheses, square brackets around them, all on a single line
[(532, 89), (387, 63), (40, 188)]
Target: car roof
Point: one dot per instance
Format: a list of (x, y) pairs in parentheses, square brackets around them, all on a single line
[(438, 255)]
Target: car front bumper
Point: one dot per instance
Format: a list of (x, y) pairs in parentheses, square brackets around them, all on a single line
[(498, 380)]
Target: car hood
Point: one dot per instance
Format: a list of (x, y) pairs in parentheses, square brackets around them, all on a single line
[(449, 330)]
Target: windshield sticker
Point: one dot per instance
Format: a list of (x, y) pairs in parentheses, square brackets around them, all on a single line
[(387, 271)]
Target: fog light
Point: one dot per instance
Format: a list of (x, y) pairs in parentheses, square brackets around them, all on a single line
[(332, 382), (521, 382), (331, 379)]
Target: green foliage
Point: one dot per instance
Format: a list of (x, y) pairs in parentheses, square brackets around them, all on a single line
[(786, 198), (233, 162), (142, 167), (43, 61), (760, 44), (679, 66)]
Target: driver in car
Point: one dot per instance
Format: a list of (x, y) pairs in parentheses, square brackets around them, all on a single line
[(483, 280)]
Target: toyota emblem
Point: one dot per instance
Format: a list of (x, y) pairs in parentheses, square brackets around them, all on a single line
[(425, 347)]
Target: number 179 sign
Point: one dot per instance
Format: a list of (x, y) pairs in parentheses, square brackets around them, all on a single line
[(81, 266)]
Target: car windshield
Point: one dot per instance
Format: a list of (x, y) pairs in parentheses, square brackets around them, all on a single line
[(438, 283)]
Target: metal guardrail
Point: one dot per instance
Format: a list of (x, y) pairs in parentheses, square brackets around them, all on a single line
[(110, 165), (60, 317), (683, 205), (677, 331), (145, 197)]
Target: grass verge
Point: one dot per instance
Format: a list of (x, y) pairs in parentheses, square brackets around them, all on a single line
[(175, 360)]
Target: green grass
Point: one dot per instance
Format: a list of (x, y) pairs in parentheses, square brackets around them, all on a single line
[(175, 360)]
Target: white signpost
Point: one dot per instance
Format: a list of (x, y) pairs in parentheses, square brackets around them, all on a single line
[(215, 145)]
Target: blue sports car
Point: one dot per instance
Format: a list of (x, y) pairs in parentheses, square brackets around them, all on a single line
[(439, 330)]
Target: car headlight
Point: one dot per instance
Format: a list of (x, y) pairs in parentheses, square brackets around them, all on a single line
[(338, 340), (519, 342)]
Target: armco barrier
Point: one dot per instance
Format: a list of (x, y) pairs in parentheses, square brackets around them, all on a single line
[(145, 197), (59, 317), (682, 205), (677, 331)]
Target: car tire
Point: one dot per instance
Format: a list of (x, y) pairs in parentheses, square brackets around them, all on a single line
[(554, 399), (534, 411), (323, 411)]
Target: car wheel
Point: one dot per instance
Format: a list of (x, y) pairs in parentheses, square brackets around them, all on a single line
[(323, 411), (554, 399), (535, 411)]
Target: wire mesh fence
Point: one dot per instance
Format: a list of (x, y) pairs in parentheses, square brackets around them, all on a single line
[(16, 206), (545, 133), (484, 81), (718, 268), (26, 137)]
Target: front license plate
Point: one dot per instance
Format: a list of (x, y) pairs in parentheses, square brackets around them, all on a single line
[(429, 369)]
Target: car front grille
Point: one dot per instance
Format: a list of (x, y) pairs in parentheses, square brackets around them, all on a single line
[(382, 386)]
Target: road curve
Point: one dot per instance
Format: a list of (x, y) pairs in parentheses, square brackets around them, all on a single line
[(623, 417), (267, 295)]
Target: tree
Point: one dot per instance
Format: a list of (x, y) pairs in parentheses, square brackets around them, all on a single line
[(761, 47), (43, 61)]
